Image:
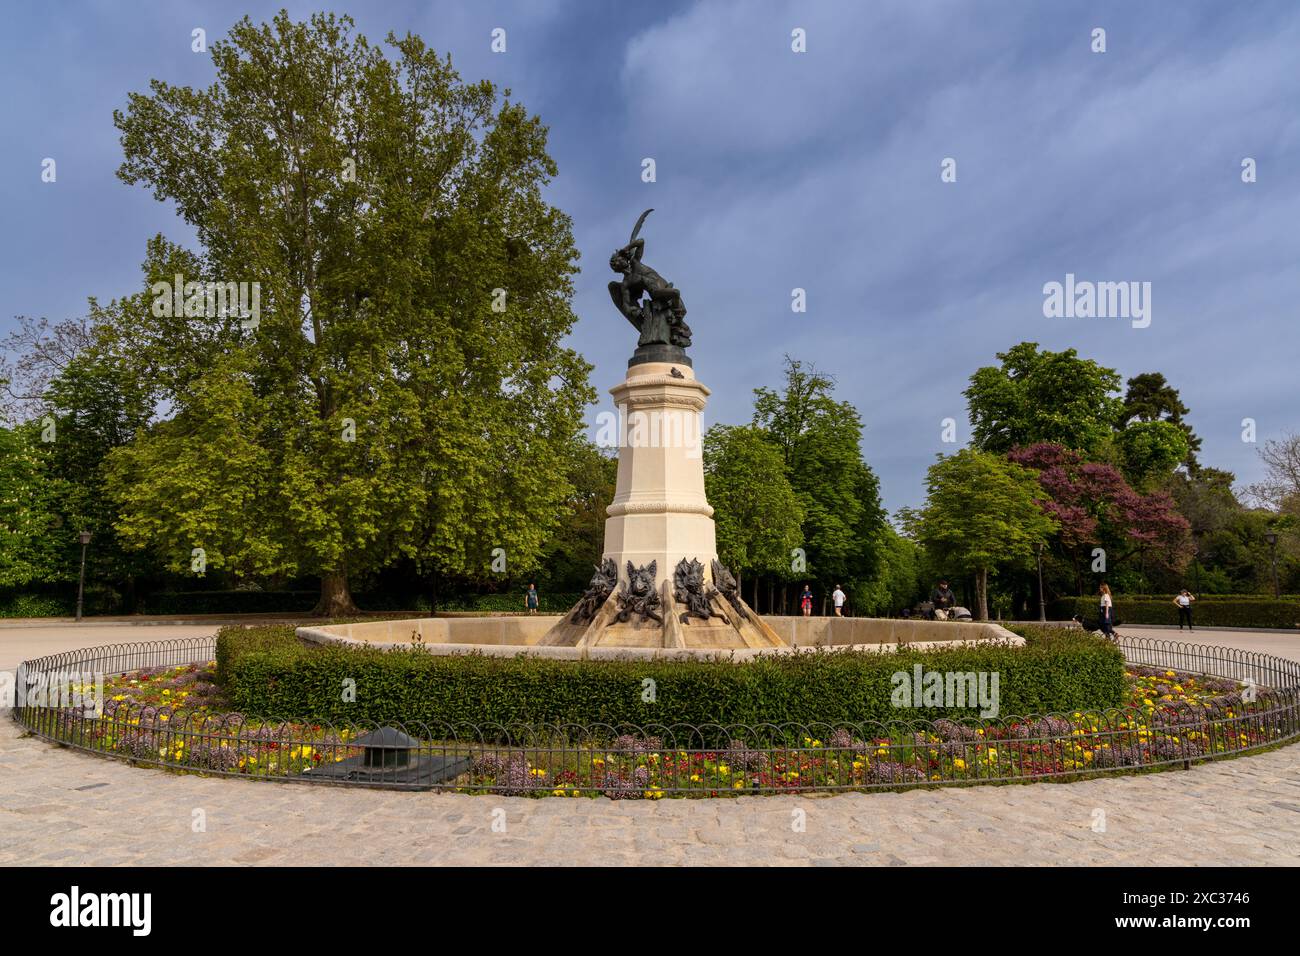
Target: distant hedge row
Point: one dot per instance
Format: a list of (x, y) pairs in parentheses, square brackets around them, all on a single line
[(267, 672), (1215, 597), (97, 601), (58, 602), (1218, 612)]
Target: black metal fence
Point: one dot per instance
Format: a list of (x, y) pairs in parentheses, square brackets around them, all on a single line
[(1259, 707)]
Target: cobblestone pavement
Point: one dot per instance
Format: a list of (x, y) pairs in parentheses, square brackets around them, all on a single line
[(62, 807)]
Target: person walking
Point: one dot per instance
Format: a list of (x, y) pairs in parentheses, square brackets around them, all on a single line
[(1184, 604), (1107, 612), (838, 597), (530, 599), (805, 601)]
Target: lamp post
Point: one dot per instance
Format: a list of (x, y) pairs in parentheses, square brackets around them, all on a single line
[(84, 538), (1271, 538), (1196, 567), (1042, 602)]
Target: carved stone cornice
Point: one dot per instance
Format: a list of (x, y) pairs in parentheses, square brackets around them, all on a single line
[(658, 507), (674, 401), (660, 380)]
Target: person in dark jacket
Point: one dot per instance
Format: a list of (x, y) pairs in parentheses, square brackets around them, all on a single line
[(943, 599)]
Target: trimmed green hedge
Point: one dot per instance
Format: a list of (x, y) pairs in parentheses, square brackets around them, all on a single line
[(1214, 597), (302, 602), (548, 602), (268, 672), (59, 602), (229, 602), (1206, 612)]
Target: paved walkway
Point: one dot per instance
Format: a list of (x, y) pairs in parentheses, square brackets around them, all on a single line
[(62, 807)]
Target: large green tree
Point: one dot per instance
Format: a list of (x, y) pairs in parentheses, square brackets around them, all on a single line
[(575, 547), (1149, 451), (1150, 398), (819, 440), (756, 512), (981, 512), (1040, 396), (403, 391), (32, 541)]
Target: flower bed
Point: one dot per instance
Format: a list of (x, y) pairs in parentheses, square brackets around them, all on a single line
[(173, 715)]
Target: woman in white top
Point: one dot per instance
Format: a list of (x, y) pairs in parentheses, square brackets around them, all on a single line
[(1107, 612), (1184, 604)]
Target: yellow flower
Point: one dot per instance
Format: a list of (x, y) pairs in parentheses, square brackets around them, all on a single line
[(959, 764), (654, 793), (538, 772), (858, 765), (723, 769), (597, 762), (695, 778), (882, 751), (558, 792), (738, 785)]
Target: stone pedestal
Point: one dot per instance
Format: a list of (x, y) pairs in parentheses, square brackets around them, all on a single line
[(660, 514)]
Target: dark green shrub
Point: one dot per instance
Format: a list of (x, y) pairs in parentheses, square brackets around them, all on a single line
[(547, 602), (229, 602), (1217, 611), (267, 672), (59, 601)]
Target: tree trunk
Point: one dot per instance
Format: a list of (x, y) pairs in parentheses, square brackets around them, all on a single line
[(435, 591), (335, 598), (754, 597), (982, 594), (785, 607)]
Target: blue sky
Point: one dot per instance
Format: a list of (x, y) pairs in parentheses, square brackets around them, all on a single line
[(817, 170)]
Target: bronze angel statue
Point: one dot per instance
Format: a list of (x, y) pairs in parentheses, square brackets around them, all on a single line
[(660, 318)]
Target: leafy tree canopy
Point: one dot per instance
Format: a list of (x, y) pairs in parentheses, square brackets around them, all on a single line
[(404, 391), (981, 511), (819, 440), (1041, 396), (757, 514)]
